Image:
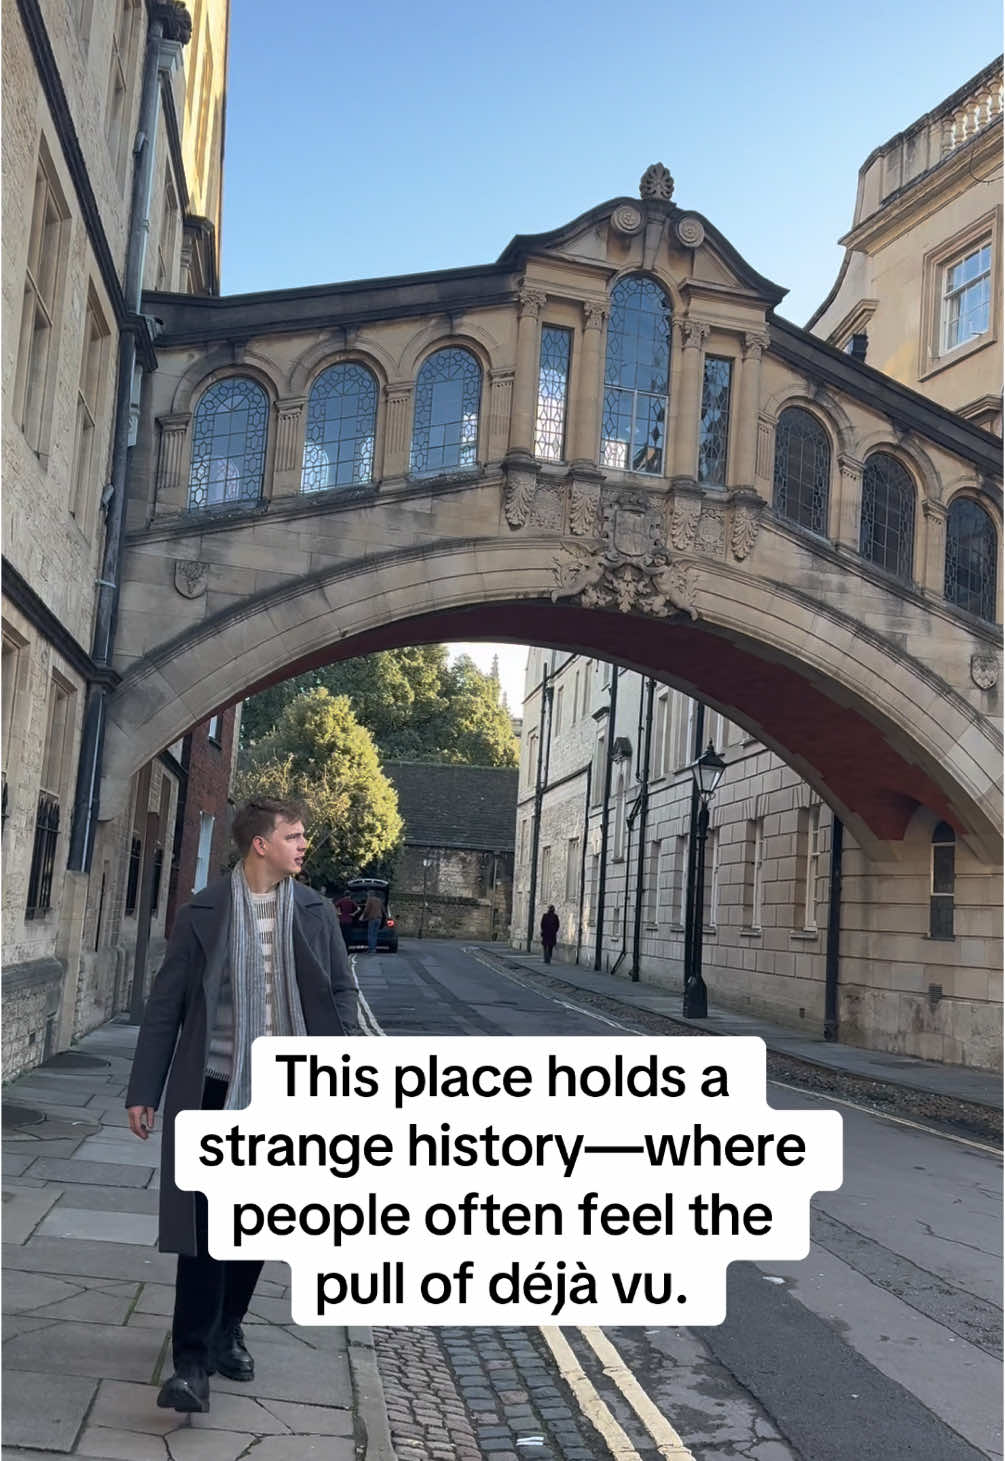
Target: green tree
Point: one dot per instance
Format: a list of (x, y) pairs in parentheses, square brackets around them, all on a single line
[(416, 706), (318, 752)]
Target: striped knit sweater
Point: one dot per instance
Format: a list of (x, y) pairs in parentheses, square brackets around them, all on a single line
[(220, 1064)]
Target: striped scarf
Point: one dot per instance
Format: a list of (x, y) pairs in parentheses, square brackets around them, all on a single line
[(247, 977)]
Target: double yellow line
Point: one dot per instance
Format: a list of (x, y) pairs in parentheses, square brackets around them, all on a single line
[(591, 1403)]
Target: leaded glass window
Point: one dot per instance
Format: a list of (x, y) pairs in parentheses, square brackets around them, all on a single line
[(228, 444), (341, 427), (802, 470), (447, 397), (943, 891), (552, 393), (887, 534), (971, 554), (636, 377), (714, 437)]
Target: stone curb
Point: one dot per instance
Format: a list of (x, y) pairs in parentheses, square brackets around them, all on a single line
[(368, 1395)]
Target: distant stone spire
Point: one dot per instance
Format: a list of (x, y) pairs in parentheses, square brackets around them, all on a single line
[(494, 671)]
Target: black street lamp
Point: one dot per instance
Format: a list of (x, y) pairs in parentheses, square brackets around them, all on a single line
[(707, 772)]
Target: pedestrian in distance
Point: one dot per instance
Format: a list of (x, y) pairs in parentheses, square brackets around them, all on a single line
[(549, 932), (346, 910), (373, 917), (254, 953)]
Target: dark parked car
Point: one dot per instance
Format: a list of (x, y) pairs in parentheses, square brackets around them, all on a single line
[(387, 934)]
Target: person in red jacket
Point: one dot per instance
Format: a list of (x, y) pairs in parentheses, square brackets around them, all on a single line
[(549, 932)]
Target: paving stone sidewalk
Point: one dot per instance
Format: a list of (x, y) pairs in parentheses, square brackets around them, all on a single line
[(87, 1300)]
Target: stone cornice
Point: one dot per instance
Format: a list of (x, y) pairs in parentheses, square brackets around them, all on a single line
[(20, 593)]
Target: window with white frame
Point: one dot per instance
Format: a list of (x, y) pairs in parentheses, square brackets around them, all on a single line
[(591, 890), (599, 767), (575, 698), (120, 84), (83, 492), (523, 850), (572, 861), (678, 882), (206, 824), (43, 276), (809, 843), (966, 297), (544, 891), (683, 743), (213, 730), (661, 724), (754, 880), (710, 911), (559, 709), (653, 883), (532, 758)]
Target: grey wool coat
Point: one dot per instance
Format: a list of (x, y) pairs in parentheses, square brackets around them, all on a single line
[(181, 1010)]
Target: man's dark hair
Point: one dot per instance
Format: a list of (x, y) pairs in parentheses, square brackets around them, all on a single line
[(258, 818)]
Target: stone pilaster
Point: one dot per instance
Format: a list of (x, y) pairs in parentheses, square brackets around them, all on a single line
[(585, 432), (933, 564), (500, 405), (684, 448), (742, 471), (398, 428), (528, 348), (846, 512), (287, 472), (172, 488)]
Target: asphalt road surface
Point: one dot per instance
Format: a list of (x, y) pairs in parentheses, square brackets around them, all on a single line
[(884, 1344)]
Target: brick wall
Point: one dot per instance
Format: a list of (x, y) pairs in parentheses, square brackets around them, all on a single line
[(208, 790)]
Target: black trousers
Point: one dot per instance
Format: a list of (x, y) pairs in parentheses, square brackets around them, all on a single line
[(208, 1291)]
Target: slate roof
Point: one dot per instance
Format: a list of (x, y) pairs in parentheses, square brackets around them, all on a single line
[(456, 806)]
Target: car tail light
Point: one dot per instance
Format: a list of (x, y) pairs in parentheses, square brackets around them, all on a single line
[(390, 923)]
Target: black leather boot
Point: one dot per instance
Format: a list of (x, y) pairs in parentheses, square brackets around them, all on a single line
[(229, 1355), (187, 1390)]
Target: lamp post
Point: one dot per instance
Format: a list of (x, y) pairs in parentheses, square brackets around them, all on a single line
[(427, 863), (707, 772)]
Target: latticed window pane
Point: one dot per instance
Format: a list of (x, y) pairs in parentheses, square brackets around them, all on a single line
[(341, 427), (714, 421), (636, 377), (447, 397), (802, 470), (228, 444), (971, 553), (887, 536), (966, 305), (552, 393)]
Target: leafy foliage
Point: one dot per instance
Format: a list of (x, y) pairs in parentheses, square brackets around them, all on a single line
[(318, 752), (416, 706)]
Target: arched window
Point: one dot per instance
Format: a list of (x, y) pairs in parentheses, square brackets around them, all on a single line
[(887, 536), (228, 444), (971, 551), (802, 470), (447, 397), (940, 917), (341, 426), (636, 378)]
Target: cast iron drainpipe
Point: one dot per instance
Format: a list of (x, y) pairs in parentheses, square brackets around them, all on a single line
[(538, 798), (608, 766), (643, 819), (833, 969), (630, 820), (582, 863), (85, 805)]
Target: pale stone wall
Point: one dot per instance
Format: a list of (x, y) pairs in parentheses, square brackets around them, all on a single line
[(467, 893)]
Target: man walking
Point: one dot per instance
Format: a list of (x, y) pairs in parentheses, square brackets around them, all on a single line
[(549, 932), (254, 953)]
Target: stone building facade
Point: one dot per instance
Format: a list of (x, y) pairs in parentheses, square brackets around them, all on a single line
[(454, 876), (907, 935), (80, 84)]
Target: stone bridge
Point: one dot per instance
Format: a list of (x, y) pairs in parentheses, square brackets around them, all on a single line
[(606, 441)]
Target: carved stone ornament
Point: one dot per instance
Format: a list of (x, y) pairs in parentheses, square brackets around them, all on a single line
[(548, 509), (656, 183), (632, 524), (683, 524), (691, 231), (627, 219), (175, 18), (984, 671), (657, 586), (521, 486), (583, 510), (190, 577), (709, 533), (532, 301), (746, 525)]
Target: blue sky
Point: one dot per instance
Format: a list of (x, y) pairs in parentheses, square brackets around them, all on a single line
[(384, 139)]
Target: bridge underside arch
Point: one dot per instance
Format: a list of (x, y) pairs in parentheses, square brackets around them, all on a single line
[(876, 734)]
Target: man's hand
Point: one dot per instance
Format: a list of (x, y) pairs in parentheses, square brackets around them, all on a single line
[(141, 1120)]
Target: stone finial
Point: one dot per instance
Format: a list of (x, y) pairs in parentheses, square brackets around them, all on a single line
[(656, 183)]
